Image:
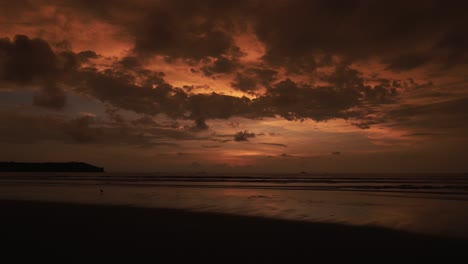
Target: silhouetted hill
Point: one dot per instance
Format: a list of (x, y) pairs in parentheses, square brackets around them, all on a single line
[(48, 167)]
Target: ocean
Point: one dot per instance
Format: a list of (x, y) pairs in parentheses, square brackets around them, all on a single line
[(421, 203)]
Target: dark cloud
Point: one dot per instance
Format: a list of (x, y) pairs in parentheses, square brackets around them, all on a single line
[(453, 46), (86, 55), (406, 62), (299, 36), (422, 134), (243, 136), (443, 108), (295, 101), (221, 65), (144, 121), (447, 117), (380, 94), (12, 8), (217, 106), (80, 130), (361, 29), (346, 90), (210, 146), (200, 125), (286, 98), (115, 117), (119, 89), (264, 76), (130, 63), (50, 96), (244, 83), (68, 62), (274, 144), (224, 140), (26, 60), (88, 130), (153, 95), (363, 125), (24, 127), (193, 31), (251, 79)]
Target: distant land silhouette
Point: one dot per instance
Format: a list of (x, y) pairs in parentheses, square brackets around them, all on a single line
[(48, 167)]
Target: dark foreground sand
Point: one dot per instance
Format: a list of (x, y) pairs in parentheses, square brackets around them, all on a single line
[(67, 232)]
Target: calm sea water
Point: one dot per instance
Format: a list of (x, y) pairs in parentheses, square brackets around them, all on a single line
[(423, 203)]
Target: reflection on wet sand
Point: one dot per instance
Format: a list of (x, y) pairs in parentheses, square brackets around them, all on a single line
[(434, 211)]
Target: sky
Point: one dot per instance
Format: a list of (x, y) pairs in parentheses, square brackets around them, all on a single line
[(236, 86)]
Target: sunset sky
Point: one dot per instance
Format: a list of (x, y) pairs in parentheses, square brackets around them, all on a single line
[(236, 86)]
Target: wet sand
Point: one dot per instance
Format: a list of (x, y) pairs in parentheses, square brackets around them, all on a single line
[(70, 231)]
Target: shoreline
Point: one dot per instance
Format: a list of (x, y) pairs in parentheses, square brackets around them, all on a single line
[(113, 231)]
